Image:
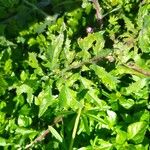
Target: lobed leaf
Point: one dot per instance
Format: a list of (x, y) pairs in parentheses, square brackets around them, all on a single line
[(107, 79)]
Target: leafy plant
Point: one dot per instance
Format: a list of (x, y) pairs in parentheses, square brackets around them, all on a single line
[(64, 88)]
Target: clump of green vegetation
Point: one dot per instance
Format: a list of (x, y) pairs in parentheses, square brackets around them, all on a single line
[(74, 74)]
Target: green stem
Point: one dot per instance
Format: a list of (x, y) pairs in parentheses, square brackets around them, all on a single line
[(115, 9), (75, 129)]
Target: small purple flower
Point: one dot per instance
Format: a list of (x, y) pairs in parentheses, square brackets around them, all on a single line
[(89, 30)]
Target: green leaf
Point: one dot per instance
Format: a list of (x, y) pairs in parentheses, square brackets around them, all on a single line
[(25, 131), (74, 77), (113, 20), (3, 142), (55, 133), (136, 131), (144, 36), (129, 25), (112, 117), (143, 115), (33, 62), (5, 42), (31, 42), (97, 48), (67, 98), (125, 146), (92, 94), (88, 42), (8, 66), (40, 78), (107, 79), (39, 28), (24, 88), (96, 118), (87, 5), (68, 54), (23, 76), (132, 88), (143, 11), (104, 145), (86, 125), (121, 137), (3, 85), (55, 49), (24, 121), (84, 55), (126, 103), (86, 148), (44, 100)]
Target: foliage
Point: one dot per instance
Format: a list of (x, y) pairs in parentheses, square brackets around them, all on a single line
[(63, 88)]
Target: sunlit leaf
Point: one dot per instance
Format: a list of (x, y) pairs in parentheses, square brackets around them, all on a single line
[(121, 137), (55, 133), (92, 94), (144, 35), (24, 121), (67, 98), (44, 100), (126, 103), (55, 48), (8, 66), (23, 76), (24, 88), (129, 25), (98, 119), (57, 57), (107, 79), (3, 142), (112, 117), (33, 62), (87, 43), (86, 124), (143, 11), (136, 131), (132, 88), (25, 131), (104, 145)]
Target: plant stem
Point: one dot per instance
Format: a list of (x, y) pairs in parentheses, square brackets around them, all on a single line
[(95, 59), (75, 128), (115, 9), (44, 134), (138, 69), (98, 11)]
